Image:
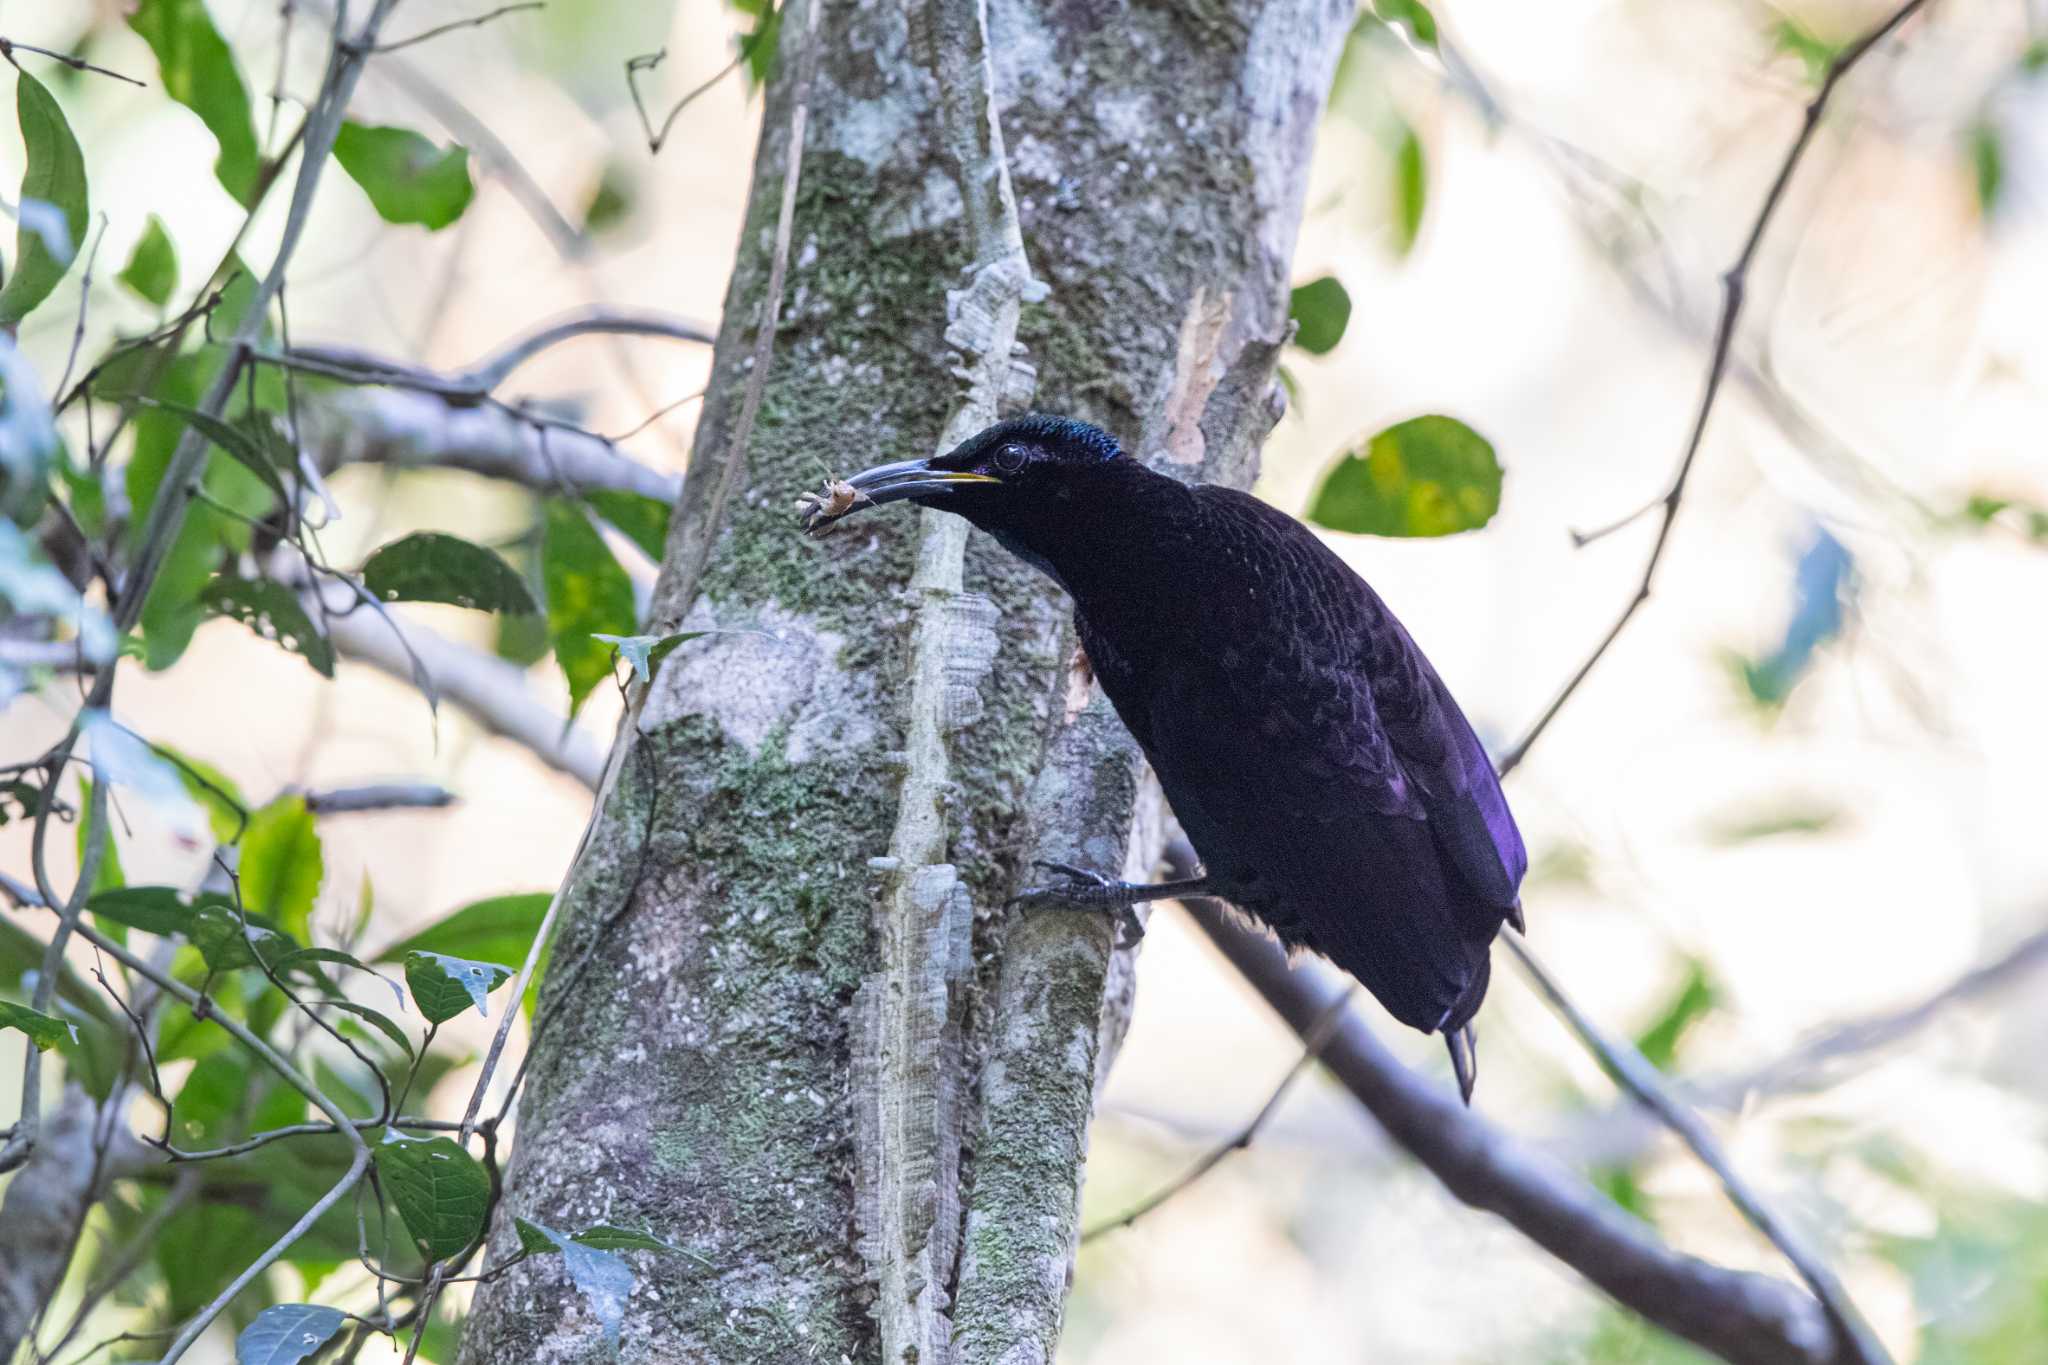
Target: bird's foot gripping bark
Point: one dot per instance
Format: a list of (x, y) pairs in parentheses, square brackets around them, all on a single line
[(1085, 890)]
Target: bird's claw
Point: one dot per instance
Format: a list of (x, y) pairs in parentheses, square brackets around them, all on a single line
[(1083, 890)]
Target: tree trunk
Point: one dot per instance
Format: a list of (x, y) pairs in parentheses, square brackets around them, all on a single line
[(696, 1069)]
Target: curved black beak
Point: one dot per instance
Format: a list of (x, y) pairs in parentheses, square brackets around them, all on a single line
[(883, 483)]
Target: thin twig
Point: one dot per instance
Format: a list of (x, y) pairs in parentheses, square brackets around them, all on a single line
[(8, 47), (766, 323), (1317, 1038), (477, 21), (1733, 283), (84, 303), (1634, 1074), (647, 62)]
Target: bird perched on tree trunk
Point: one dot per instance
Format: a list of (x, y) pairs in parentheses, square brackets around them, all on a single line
[(1322, 771)]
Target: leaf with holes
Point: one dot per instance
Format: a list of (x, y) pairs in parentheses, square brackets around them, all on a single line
[(440, 1191), (1429, 476), (444, 986), (42, 1030), (408, 178), (54, 207), (199, 72), (499, 929), (273, 611), (1321, 310), (588, 595), (645, 652), (604, 1280), (432, 567), (152, 269), (287, 1333)]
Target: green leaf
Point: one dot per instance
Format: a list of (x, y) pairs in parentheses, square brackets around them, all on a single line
[(1411, 15), (431, 567), (645, 652), (235, 442), (408, 178), (1696, 997), (604, 1280), (642, 520), (163, 910), (588, 595), (440, 1191), (1428, 476), (110, 876), (54, 207), (1322, 310), (1987, 158), (200, 1249), (611, 200), (152, 269), (383, 1023), (42, 1030), (274, 612), (227, 943), (299, 958), (287, 1333), (1813, 51), (445, 986), (282, 864), (208, 920), (1411, 189), (199, 72), (499, 929)]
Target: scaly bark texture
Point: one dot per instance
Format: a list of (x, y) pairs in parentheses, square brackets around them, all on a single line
[(696, 1077)]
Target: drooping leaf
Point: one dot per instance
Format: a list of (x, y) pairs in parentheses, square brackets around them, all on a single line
[(274, 612), (588, 594), (1411, 188), (431, 567), (45, 1031), (300, 960), (282, 864), (642, 520), (604, 1279), (1428, 476), (439, 1189), (444, 986), (152, 269), (383, 1023), (1321, 310), (1412, 15), (287, 1333), (645, 652), (1823, 583), (199, 72), (408, 178), (54, 209)]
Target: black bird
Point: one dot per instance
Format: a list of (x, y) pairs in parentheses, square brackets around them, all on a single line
[(1327, 780)]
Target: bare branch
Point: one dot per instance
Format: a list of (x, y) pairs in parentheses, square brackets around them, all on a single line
[(477, 21), (388, 796), (1745, 1317), (647, 62), (1733, 283), (419, 430), (8, 48)]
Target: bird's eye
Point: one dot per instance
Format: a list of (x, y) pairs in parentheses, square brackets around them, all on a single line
[(1009, 459)]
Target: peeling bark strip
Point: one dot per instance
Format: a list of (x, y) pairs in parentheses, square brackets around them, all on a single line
[(908, 1077), (697, 1077)]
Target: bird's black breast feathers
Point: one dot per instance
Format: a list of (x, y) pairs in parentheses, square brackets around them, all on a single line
[(1321, 769)]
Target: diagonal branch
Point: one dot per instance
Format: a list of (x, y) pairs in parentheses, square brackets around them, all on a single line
[(1750, 1318), (1733, 283)]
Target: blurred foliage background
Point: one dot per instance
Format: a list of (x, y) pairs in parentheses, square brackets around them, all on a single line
[(1783, 824)]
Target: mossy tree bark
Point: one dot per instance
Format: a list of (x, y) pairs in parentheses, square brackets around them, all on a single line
[(695, 1076)]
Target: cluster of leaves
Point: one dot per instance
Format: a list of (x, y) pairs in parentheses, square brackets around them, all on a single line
[(102, 498)]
